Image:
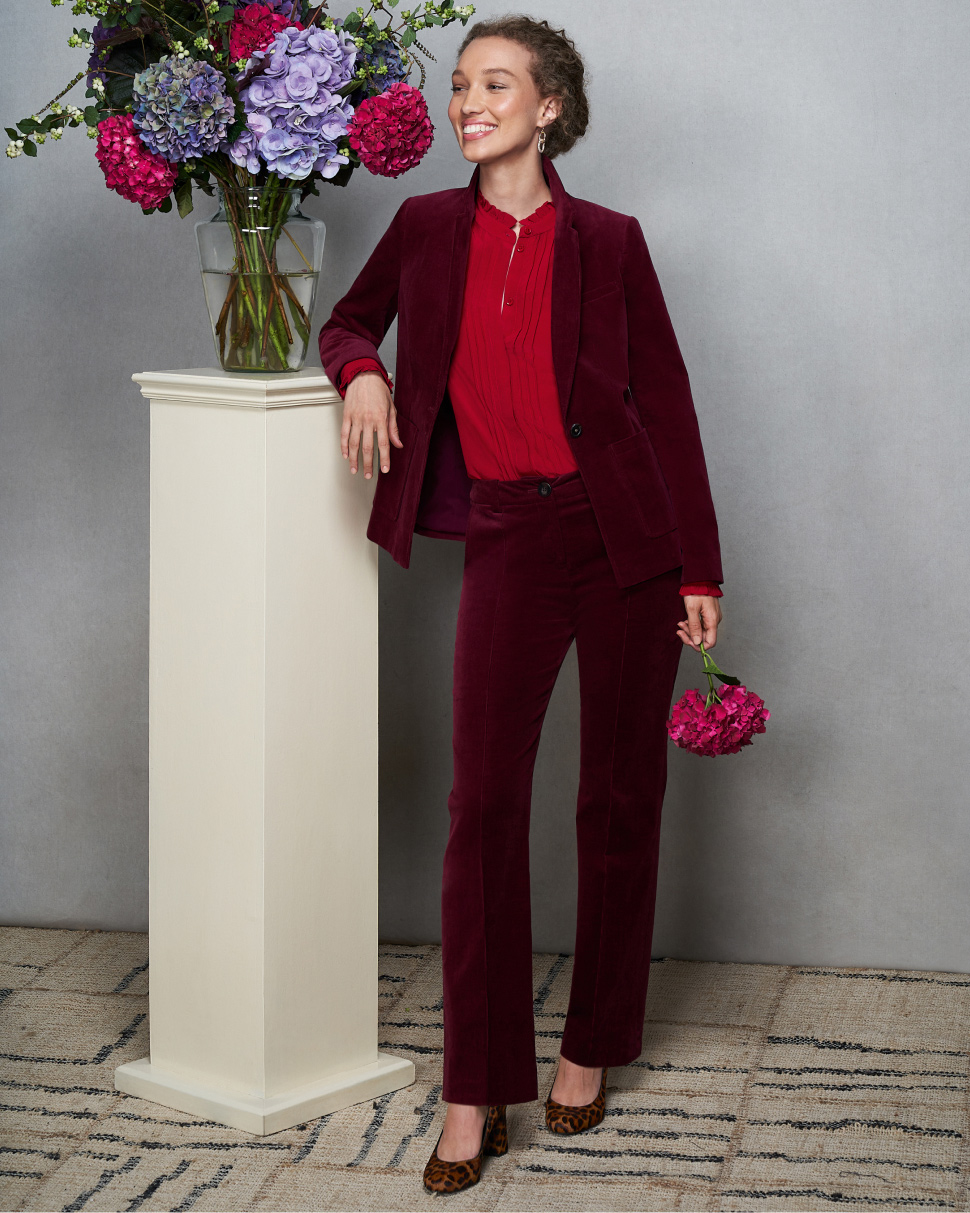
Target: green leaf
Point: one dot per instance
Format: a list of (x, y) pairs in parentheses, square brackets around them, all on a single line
[(127, 59), (235, 128), (183, 196), (710, 667), (352, 22), (28, 126), (407, 37), (11, 132), (92, 115), (29, 148), (226, 13), (165, 204)]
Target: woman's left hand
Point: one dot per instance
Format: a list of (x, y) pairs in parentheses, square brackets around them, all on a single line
[(703, 616)]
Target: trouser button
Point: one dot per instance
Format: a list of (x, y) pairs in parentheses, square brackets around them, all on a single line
[(545, 488)]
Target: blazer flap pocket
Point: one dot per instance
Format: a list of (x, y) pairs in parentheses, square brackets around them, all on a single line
[(597, 292), (637, 467)]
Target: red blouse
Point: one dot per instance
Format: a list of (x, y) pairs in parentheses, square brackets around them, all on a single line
[(502, 381)]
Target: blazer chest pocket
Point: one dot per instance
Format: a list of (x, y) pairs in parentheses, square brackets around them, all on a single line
[(636, 466), (390, 485), (597, 292)]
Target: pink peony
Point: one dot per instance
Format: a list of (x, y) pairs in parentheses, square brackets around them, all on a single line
[(722, 728), (129, 167), (253, 28), (392, 131)]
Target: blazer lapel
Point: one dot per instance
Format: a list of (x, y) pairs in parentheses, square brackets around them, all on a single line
[(566, 284), (566, 281)]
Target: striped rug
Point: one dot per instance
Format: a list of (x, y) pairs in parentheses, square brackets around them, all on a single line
[(759, 1087)]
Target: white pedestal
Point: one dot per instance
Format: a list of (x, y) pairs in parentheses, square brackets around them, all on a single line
[(262, 757)]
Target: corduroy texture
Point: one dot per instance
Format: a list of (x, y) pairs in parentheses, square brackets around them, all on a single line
[(536, 576), (760, 1087)]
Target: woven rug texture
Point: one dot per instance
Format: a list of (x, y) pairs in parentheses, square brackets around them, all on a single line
[(759, 1087)]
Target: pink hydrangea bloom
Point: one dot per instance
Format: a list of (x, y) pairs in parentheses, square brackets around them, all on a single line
[(723, 728), (392, 131), (253, 28), (129, 167)]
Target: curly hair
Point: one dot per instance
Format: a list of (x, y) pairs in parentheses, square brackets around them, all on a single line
[(557, 69)]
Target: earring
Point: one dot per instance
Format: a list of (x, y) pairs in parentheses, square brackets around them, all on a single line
[(542, 140)]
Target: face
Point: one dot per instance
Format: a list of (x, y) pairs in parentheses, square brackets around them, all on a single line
[(495, 109)]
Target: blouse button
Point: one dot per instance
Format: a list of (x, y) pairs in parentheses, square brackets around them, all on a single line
[(508, 303)]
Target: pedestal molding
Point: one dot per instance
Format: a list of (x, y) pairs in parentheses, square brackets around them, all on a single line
[(235, 389)]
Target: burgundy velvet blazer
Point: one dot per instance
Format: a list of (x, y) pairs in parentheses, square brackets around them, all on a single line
[(623, 388)]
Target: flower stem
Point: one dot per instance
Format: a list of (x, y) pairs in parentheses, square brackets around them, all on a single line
[(712, 694)]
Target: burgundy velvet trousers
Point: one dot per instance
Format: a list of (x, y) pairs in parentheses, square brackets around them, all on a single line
[(536, 576)]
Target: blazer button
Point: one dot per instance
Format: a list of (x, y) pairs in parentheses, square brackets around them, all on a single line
[(545, 488), (576, 430)]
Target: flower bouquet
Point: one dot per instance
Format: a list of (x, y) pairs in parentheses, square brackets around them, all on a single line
[(256, 101), (720, 723)]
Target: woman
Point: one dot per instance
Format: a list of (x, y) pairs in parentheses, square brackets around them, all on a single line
[(542, 414)]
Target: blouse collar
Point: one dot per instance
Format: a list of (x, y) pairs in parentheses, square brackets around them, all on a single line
[(542, 219)]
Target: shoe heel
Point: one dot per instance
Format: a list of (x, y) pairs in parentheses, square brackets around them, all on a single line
[(496, 1131), (563, 1118)]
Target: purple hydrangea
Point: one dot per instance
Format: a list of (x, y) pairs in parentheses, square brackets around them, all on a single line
[(294, 115), (182, 108), (99, 56), (385, 52)]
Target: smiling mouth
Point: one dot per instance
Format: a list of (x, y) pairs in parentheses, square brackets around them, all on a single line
[(477, 130)]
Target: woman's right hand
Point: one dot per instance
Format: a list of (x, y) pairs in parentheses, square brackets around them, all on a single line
[(369, 409)]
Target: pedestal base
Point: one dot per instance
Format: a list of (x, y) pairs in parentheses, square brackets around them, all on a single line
[(264, 1116)]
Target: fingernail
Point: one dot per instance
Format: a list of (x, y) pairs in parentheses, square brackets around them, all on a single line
[(385, 468)]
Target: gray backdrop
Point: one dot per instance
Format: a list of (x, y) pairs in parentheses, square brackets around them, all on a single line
[(800, 170)]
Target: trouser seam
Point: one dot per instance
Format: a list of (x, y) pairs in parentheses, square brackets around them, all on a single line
[(609, 822), (481, 812)]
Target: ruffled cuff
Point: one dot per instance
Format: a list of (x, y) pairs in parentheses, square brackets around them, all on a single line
[(702, 587), (350, 369)]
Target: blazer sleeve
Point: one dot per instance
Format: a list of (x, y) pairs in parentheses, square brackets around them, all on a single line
[(360, 320), (661, 393)]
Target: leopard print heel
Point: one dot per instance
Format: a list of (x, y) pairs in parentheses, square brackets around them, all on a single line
[(442, 1176), (563, 1118)]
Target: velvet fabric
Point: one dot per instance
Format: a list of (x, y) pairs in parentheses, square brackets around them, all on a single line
[(537, 574), (623, 390)]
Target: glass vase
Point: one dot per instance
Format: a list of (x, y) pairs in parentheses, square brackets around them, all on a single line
[(260, 258)]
